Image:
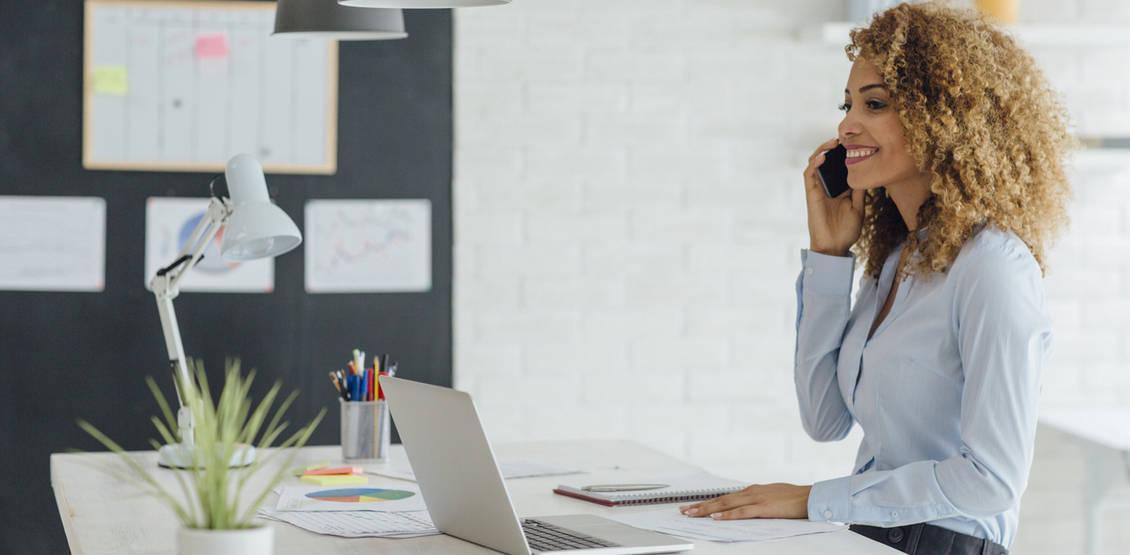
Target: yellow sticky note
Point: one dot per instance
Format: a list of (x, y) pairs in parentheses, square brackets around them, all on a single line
[(339, 480), (298, 472), (111, 80)]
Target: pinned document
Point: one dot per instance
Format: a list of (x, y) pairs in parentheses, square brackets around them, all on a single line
[(169, 224), (368, 246), (52, 243)]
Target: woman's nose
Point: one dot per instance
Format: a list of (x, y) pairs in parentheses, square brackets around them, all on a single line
[(848, 127)]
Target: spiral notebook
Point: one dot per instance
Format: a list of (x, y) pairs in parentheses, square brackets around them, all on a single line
[(697, 487)]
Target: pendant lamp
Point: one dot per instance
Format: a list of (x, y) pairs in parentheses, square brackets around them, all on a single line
[(326, 19), (420, 3)]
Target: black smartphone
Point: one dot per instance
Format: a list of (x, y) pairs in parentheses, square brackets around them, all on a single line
[(833, 172)]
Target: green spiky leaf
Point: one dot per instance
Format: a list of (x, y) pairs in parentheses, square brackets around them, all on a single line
[(210, 492)]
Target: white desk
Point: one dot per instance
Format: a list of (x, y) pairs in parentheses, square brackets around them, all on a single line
[(1104, 434), (102, 514)]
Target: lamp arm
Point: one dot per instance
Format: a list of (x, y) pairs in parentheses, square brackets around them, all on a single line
[(219, 210), (164, 286)]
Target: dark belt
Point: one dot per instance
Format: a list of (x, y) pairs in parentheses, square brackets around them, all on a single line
[(927, 539)]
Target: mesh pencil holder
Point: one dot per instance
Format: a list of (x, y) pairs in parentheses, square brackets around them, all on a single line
[(365, 431)]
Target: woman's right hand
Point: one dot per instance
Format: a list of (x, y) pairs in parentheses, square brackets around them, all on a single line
[(834, 224)]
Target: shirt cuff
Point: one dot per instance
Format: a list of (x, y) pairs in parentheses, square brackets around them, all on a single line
[(825, 274), (830, 501)]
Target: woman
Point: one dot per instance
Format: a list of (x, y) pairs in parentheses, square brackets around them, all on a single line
[(955, 147)]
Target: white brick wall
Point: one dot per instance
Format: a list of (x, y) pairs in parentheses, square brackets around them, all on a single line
[(628, 217)]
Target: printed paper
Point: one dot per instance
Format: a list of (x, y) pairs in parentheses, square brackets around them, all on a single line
[(52, 243)]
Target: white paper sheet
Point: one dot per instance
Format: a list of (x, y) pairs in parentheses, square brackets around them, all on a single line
[(168, 224), (52, 243), (669, 520), (357, 246), (314, 498), (401, 470), (358, 524)]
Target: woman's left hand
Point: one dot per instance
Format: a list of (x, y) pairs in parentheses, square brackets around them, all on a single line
[(756, 501)]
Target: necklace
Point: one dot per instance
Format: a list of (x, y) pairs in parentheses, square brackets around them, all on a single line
[(910, 246)]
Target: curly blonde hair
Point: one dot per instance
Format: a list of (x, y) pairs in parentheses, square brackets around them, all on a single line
[(980, 119)]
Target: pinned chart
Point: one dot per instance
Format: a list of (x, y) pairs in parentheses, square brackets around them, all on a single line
[(363, 246), (169, 222), (184, 85), (52, 243)]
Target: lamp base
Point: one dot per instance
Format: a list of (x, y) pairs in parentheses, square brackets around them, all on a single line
[(179, 456)]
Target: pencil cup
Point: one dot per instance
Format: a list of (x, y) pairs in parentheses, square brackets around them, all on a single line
[(365, 431)]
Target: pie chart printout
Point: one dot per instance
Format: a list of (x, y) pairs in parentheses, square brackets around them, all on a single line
[(360, 495)]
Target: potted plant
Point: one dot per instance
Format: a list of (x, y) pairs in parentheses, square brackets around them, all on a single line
[(212, 506)]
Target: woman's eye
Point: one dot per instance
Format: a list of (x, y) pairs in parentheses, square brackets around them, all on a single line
[(875, 104), (844, 107)]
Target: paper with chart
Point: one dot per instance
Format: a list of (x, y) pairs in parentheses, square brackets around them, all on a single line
[(52, 243), (669, 520), (350, 498), (169, 222), (368, 246), (185, 85), (358, 524)]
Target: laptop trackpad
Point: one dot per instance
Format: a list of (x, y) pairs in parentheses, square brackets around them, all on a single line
[(615, 532)]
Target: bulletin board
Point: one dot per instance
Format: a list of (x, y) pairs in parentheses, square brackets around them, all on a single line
[(82, 349), (184, 85)]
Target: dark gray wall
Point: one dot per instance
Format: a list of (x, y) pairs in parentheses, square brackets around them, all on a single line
[(69, 355)]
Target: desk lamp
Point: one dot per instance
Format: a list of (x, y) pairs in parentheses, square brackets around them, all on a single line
[(256, 228)]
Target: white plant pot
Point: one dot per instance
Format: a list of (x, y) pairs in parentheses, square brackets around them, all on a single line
[(247, 541)]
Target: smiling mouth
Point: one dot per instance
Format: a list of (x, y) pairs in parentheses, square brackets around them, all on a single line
[(857, 155)]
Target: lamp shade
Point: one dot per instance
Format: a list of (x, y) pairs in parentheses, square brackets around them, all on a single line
[(256, 228), (420, 3), (327, 19)]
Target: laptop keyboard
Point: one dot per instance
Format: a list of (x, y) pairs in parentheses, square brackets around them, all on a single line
[(543, 536)]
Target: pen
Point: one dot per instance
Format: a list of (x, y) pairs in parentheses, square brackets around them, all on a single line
[(373, 384), (365, 385), (358, 361), (605, 488), (339, 384)]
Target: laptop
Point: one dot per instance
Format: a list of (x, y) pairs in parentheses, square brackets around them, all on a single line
[(466, 494)]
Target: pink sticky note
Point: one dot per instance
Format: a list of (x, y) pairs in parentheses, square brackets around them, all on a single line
[(333, 471), (212, 46)]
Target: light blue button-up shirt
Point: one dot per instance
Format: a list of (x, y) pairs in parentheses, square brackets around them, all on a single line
[(946, 389)]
